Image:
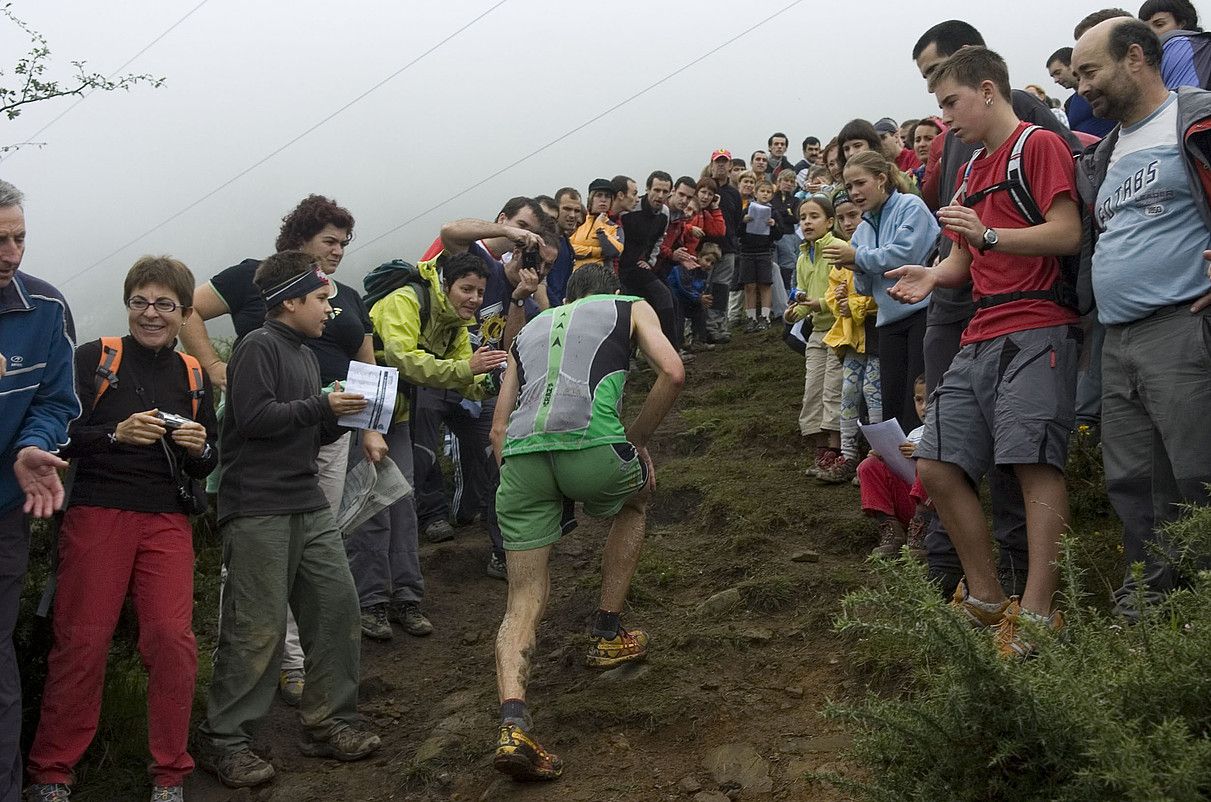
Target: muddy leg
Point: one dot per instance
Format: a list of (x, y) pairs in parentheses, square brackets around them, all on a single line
[(529, 586)]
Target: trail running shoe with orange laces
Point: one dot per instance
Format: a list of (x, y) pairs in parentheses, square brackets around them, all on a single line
[(1010, 642), (626, 646), (975, 614), (523, 758)]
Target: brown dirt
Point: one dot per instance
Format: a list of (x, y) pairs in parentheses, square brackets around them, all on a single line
[(758, 674)]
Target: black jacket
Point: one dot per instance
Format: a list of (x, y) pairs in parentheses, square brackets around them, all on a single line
[(126, 477), (733, 216), (274, 424), (642, 232)]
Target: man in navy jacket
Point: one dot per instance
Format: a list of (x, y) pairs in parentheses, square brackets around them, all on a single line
[(37, 402)]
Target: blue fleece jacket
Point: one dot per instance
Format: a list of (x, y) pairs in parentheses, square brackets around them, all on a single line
[(38, 390), (688, 285), (902, 232)]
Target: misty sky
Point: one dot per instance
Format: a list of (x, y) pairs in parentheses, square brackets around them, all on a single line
[(245, 78)]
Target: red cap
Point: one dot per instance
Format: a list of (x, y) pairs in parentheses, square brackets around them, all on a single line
[(721, 153)]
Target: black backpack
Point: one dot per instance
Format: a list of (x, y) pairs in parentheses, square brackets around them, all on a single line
[(1064, 290)]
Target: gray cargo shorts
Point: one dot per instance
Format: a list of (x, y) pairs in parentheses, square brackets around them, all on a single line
[(1006, 401)]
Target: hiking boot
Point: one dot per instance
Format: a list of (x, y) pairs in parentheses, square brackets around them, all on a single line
[(168, 793), (916, 537), (625, 647), (239, 769), (1010, 640), (290, 686), (891, 538), (840, 472), (374, 622), (686, 356), (975, 614), (347, 743), (48, 792), (439, 531), (700, 345), (409, 616), (522, 758), (497, 569), (720, 338)]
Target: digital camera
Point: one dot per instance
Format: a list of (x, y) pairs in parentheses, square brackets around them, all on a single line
[(172, 421)]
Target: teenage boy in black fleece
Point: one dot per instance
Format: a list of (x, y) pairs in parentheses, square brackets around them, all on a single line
[(280, 542)]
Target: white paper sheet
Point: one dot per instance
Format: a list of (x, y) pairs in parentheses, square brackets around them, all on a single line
[(760, 214), (886, 438), (379, 386)]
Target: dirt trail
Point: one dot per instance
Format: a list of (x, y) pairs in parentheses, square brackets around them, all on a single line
[(730, 698)]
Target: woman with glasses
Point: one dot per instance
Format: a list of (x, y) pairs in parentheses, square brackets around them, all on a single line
[(322, 229), (145, 438)]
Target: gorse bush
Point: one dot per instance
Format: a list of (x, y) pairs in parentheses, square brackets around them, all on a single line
[(1106, 712)]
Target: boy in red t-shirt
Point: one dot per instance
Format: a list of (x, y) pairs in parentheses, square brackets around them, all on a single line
[(1008, 397)]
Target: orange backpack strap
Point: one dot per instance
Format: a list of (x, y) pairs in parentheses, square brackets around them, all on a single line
[(193, 369), (107, 366)]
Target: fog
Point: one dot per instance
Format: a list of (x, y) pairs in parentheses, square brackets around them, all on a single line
[(414, 113)]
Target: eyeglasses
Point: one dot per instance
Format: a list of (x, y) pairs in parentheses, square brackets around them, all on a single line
[(139, 304)]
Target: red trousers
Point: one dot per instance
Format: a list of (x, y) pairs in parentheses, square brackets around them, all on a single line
[(884, 492), (104, 554)]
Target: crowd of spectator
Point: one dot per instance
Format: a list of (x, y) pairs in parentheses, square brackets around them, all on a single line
[(992, 278)]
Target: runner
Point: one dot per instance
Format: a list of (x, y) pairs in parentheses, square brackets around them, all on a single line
[(559, 439)]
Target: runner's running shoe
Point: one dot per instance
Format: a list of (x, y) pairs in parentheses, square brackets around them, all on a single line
[(625, 647), (523, 758)]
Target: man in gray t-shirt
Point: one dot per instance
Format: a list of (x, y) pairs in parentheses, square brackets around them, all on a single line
[(1145, 183)]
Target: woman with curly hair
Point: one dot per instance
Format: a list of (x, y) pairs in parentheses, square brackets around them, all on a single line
[(322, 229)]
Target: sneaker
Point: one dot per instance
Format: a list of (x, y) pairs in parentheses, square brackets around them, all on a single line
[(347, 743), (168, 793), (374, 622), (751, 326), (974, 614), (916, 537), (290, 686), (497, 569), (840, 472), (48, 792), (763, 323), (891, 538), (439, 531), (409, 616), (625, 647), (523, 758), (720, 338), (699, 345), (239, 769), (1010, 642), (686, 356)]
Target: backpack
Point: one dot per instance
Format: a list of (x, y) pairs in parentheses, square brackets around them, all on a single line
[(111, 359), (391, 276), (1064, 290)]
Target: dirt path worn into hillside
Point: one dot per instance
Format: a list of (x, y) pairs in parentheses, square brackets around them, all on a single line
[(727, 706)]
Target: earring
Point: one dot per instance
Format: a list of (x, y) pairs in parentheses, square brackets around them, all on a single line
[(987, 101)]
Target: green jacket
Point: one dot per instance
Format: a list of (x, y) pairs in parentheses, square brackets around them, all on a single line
[(811, 277), (437, 357)]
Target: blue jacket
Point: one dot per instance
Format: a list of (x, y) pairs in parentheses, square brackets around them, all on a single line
[(561, 271), (38, 391), (902, 232), (688, 285)]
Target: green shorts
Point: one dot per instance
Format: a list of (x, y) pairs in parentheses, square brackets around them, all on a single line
[(536, 489)]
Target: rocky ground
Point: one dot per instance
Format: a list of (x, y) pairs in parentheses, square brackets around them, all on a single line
[(744, 568)]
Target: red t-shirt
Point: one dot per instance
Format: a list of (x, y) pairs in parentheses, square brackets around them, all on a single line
[(1047, 163)]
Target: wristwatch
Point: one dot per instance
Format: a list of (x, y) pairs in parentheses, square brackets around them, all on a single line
[(990, 240), (519, 303)]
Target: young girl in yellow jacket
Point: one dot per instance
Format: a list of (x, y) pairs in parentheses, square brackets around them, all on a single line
[(853, 317)]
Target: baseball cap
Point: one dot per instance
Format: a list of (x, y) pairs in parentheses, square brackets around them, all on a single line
[(886, 126), (721, 153), (601, 185)]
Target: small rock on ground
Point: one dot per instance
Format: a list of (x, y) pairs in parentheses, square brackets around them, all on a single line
[(806, 557), (739, 764), (711, 796), (721, 602), (689, 785)]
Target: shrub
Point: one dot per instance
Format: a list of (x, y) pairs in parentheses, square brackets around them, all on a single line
[(1109, 711)]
